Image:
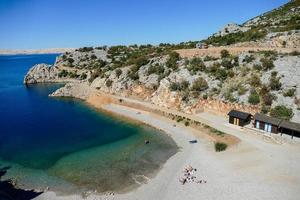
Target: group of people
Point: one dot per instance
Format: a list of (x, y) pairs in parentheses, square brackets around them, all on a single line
[(188, 176)]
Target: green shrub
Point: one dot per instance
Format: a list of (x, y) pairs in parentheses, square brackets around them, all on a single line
[(85, 49), (255, 81), (274, 81), (196, 64), (249, 59), (232, 38), (63, 73), (225, 53), (229, 97), (186, 123), (118, 72), (282, 112), (70, 60), (267, 64), (257, 67), (174, 86), (199, 85), (219, 146), (184, 85), (290, 92), (221, 74), (83, 76), (156, 69), (93, 57), (95, 74), (108, 83), (172, 61), (253, 97), (227, 63), (241, 90)]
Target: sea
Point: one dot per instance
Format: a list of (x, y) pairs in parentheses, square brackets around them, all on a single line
[(67, 146)]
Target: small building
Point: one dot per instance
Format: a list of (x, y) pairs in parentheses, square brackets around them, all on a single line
[(239, 118), (289, 128), (266, 123), (201, 45)]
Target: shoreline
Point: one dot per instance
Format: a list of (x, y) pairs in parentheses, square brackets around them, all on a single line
[(212, 166)]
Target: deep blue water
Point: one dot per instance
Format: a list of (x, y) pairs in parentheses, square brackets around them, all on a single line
[(57, 136)]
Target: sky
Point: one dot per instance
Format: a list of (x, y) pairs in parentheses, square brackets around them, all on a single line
[(36, 24)]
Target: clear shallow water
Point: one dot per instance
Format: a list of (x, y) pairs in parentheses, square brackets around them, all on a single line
[(63, 143)]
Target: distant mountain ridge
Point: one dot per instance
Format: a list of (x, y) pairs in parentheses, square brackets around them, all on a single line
[(34, 51)]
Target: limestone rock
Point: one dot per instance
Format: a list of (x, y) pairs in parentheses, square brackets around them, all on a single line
[(78, 90), (41, 73), (231, 28)]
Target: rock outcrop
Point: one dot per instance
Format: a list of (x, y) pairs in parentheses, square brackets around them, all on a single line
[(76, 90), (41, 73), (231, 28)]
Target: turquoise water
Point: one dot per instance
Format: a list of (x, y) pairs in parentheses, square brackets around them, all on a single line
[(67, 145)]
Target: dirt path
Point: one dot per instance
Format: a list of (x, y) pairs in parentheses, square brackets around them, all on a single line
[(215, 51)]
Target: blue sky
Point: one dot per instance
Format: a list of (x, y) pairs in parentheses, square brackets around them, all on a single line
[(33, 24)]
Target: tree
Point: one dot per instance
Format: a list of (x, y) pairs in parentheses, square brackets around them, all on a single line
[(282, 112)]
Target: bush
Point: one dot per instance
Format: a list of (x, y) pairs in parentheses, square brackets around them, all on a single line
[(282, 112), (257, 67), (108, 83), (85, 49), (225, 53), (118, 72), (219, 146), (186, 123), (248, 59), (241, 90), (70, 60), (274, 81), (196, 64), (184, 85), (172, 61), (95, 74), (63, 73), (267, 64), (199, 85), (290, 93), (83, 76), (227, 63), (156, 69), (93, 57), (254, 97), (221, 74), (255, 81)]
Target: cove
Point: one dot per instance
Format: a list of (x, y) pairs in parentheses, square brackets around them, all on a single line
[(66, 145)]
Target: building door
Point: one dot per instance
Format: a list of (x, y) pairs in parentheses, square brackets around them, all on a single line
[(257, 124), (237, 121), (268, 127)]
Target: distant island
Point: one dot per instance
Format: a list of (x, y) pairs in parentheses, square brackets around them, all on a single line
[(34, 51)]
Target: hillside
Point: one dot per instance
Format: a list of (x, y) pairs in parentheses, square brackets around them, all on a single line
[(277, 28), (265, 78)]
